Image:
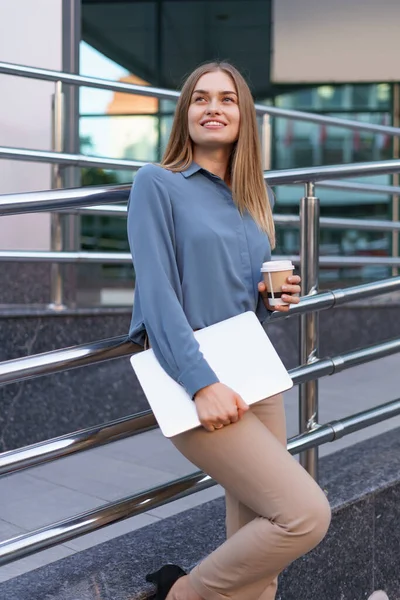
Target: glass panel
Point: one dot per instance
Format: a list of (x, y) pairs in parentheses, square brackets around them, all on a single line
[(383, 91), (333, 152), (122, 126), (301, 144), (298, 99), (330, 97), (362, 96), (125, 137)]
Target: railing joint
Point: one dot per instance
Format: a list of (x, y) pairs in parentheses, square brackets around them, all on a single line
[(338, 429), (338, 364), (338, 297)]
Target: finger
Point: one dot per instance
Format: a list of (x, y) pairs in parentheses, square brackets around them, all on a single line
[(261, 286), (240, 413), (234, 417), (208, 426), (282, 307), (291, 299), (241, 404), (294, 279), (291, 289)]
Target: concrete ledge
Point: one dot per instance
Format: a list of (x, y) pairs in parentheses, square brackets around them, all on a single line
[(359, 555)]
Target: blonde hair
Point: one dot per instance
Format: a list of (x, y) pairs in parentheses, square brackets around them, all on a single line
[(249, 189)]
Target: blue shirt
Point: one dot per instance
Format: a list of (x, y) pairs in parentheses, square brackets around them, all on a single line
[(197, 262)]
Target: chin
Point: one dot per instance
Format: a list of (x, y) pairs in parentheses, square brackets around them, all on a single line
[(214, 140)]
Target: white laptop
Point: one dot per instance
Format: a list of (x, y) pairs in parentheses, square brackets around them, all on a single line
[(239, 352)]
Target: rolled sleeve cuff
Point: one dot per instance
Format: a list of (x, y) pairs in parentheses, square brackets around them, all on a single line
[(197, 377)]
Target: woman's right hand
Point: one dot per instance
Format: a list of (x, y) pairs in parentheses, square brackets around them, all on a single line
[(218, 405)]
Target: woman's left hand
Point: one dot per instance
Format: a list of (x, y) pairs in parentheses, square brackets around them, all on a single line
[(291, 287)]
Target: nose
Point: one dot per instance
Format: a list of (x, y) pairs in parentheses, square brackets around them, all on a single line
[(213, 106)]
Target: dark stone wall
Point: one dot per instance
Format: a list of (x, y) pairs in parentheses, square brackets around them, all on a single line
[(53, 405)]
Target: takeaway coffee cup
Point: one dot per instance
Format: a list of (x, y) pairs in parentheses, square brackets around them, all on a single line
[(275, 274)]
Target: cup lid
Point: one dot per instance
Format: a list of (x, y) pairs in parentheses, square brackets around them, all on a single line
[(272, 266)]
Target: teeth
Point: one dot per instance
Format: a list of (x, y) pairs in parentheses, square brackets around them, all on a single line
[(214, 123)]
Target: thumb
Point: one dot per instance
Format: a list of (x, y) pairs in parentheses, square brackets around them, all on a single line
[(261, 286), (241, 404)]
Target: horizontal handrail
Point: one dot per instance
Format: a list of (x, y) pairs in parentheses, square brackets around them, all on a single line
[(338, 185), (317, 119), (126, 258), (353, 261), (77, 197), (78, 441), (322, 367), (67, 199), (41, 309), (55, 361), (68, 529), (155, 92), (66, 257), (338, 223), (335, 430), (67, 160), (368, 188), (100, 435), (315, 174), (101, 210), (286, 220), (85, 81)]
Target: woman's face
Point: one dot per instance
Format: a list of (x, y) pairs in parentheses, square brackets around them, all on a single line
[(214, 115)]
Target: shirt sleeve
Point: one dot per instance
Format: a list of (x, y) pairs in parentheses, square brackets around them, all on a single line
[(151, 237)]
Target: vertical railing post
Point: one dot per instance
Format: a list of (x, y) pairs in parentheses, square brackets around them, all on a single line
[(57, 241), (71, 223), (309, 267), (266, 142), (395, 177)]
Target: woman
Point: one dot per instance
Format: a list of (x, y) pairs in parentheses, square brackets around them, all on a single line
[(200, 226)]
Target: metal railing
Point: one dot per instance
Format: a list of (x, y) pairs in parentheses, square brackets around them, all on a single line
[(312, 434), (312, 367), (64, 224), (60, 360), (163, 94), (113, 512), (120, 258), (76, 199), (85, 198)]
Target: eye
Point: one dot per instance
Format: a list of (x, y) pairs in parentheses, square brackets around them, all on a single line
[(199, 98), (228, 98)]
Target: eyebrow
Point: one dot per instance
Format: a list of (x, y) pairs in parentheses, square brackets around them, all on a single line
[(221, 93)]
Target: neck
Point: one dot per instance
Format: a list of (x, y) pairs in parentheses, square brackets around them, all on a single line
[(215, 161)]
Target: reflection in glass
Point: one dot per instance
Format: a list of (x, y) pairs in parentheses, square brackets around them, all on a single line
[(301, 144), (119, 125)]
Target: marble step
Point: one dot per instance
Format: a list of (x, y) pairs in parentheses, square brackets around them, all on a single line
[(357, 558)]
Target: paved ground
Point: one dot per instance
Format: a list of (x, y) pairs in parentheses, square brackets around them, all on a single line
[(46, 494)]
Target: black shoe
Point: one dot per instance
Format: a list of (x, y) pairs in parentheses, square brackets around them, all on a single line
[(164, 579)]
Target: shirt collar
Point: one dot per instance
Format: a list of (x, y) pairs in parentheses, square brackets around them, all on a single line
[(191, 170)]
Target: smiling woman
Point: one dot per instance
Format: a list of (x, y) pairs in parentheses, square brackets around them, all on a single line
[(217, 92), (200, 226)]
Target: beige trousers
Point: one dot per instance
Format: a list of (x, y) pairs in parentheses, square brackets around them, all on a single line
[(275, 511)]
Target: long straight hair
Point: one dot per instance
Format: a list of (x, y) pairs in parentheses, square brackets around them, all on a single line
[(249, 189)]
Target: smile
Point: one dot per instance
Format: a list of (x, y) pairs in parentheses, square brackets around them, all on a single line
[(213, 124)]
